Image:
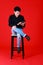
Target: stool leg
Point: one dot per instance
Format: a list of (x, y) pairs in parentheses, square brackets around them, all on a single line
[(12, 44), (22, 48)]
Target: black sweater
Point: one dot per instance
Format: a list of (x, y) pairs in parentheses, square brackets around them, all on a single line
[(13, 20)]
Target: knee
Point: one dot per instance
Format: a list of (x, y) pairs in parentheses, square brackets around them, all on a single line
[(18, 35)]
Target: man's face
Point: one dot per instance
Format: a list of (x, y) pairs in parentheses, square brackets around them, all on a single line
[(17, 13)]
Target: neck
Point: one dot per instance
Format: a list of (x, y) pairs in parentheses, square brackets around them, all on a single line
[(16, 16)]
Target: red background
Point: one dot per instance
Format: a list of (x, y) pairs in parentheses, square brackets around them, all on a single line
[(32, 11)]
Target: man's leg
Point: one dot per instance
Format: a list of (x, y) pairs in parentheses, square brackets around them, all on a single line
[(18, 42), (13, 33), (18, 39), (19, 31)]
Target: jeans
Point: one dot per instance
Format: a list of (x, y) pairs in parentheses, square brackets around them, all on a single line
[(19, 33)]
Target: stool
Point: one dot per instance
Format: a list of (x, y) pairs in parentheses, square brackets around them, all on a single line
[(15, 48)]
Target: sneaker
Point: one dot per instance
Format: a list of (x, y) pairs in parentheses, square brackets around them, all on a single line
[(18, 49), (27, 37)]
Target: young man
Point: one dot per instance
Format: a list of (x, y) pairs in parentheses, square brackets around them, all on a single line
[(17, 22)]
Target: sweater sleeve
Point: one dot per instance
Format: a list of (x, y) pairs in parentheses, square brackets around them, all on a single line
[(10, 21), (22, 19)]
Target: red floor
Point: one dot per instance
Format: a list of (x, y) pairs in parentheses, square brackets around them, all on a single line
[(17, 59)]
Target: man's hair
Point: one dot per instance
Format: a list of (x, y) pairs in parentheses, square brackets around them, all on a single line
[(17, 8)]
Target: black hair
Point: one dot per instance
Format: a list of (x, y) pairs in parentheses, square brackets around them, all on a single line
[(17, 8)]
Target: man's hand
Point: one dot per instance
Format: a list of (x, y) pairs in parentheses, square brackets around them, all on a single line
[(19, 23), (23, 24)]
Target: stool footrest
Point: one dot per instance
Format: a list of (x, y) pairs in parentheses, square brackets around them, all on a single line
[(16, 48)]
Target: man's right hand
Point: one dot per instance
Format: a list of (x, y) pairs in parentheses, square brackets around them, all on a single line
[(19, 23)]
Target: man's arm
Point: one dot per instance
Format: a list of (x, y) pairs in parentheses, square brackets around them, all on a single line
[(10, 22), (21, 23)]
